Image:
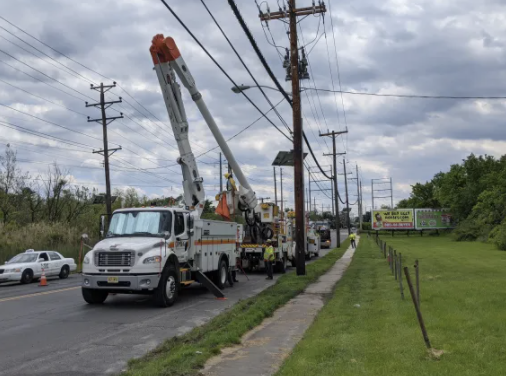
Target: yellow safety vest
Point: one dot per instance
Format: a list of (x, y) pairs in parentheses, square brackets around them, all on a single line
[(352, 236), (269, 253)]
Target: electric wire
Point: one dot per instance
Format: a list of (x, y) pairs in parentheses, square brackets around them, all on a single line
[(220, 67), (246, 67), (267, 68)]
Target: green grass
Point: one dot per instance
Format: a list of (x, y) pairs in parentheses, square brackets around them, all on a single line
[(463, 301), (178, 356)]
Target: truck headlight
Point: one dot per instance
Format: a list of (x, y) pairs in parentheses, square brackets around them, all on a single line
[(17, 270), (86, 260), (152, 260)]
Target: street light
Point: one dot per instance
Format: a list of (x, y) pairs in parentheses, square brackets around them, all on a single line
[(240, 88)]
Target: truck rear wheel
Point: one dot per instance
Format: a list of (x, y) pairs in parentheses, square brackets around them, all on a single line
[(221, 275), (167, 291), (93, 296)]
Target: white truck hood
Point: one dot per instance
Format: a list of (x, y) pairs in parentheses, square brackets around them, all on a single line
[(125, 244)]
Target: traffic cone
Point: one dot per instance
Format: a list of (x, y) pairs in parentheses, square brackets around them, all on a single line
[(43, 280)]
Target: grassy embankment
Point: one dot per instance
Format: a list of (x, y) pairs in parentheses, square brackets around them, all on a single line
[(39, 236), (463, 301), (187, 354)]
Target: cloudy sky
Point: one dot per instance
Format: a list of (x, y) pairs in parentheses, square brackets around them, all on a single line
[(450, 48)]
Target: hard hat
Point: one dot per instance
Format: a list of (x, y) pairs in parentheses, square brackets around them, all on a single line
[(227, 175), (269, 241)]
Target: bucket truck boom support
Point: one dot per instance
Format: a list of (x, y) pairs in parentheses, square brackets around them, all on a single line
[(169, 62)]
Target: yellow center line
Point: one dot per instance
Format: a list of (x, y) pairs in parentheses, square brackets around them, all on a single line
[(39, 293)]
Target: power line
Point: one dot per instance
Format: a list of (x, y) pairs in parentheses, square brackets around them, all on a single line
[(246, 67), (337, 65), (38, 79), (220, 67), (37, 56), (246, 128), (51, 78), (268, 69), (49, 122), (61, 53), (44, 135), (406, 95), (81, 76), (45, 99)]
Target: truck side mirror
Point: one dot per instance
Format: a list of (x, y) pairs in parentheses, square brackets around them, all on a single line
[(102, 226)]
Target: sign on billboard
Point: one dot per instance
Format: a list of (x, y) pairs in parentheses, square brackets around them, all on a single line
[(401, 219), (433, 219)]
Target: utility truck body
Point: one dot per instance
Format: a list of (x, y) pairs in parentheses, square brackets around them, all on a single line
[(158, 250)]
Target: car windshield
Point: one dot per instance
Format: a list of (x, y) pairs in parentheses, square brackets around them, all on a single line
[(140, 223), (23, 257)]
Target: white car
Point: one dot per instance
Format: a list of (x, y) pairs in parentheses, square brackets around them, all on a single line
[(28, 266)]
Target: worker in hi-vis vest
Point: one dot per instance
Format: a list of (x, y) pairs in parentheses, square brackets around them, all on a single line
[(352, 240), (269, 258)]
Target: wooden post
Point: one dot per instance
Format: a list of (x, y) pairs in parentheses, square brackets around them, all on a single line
[(400, 276), (417, 308), (417, 276), (395, 264)]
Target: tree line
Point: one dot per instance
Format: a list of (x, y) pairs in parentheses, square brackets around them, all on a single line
[(474, 191)]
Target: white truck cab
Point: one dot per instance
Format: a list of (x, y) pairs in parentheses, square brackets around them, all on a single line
[(157, 250)]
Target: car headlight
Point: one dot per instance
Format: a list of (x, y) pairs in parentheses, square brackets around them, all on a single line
[(17, 270), (152, 260), (86, 260)]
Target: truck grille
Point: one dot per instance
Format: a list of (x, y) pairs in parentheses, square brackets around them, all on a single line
[(114, 258)]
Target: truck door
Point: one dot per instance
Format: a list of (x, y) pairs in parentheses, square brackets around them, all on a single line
[(180, 235)]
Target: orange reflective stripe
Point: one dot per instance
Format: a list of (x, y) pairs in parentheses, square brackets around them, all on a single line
[(214, 241)]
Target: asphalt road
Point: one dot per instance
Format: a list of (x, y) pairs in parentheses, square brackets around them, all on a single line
[(52, 331)]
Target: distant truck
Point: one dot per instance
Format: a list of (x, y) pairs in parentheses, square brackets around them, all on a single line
[(323, 229)]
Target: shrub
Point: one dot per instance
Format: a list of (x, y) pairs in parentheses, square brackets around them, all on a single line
[(366, 226)]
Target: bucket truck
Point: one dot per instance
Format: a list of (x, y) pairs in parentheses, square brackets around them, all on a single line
[(157, 250)]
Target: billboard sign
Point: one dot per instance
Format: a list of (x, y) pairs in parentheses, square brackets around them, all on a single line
[(401, 219), (433, 219)]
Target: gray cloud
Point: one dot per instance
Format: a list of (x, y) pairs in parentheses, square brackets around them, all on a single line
[(450, 48)]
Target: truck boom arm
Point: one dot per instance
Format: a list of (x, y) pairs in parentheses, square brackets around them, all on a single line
[(169, 62)]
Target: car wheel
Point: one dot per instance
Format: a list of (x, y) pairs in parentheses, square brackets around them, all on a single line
[(167, 291), (93, 296), (220, 277), (27, 276), (64, 273)]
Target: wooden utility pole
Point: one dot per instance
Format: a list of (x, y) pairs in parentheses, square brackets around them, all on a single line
[(281, 187), (359, 199), (106, 152), (334, 154), (347, 198), (309, 188), (298, 156), (275, 187)]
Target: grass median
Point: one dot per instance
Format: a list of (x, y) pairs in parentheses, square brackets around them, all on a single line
[(366, 329), (186, 355)]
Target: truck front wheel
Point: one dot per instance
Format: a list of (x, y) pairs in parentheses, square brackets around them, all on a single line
[(92, 296), (166, 293)]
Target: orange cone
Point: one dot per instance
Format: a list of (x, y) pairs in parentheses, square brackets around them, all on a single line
[(43, 280)]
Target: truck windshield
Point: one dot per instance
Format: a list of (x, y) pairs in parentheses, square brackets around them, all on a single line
[(140, 223)]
